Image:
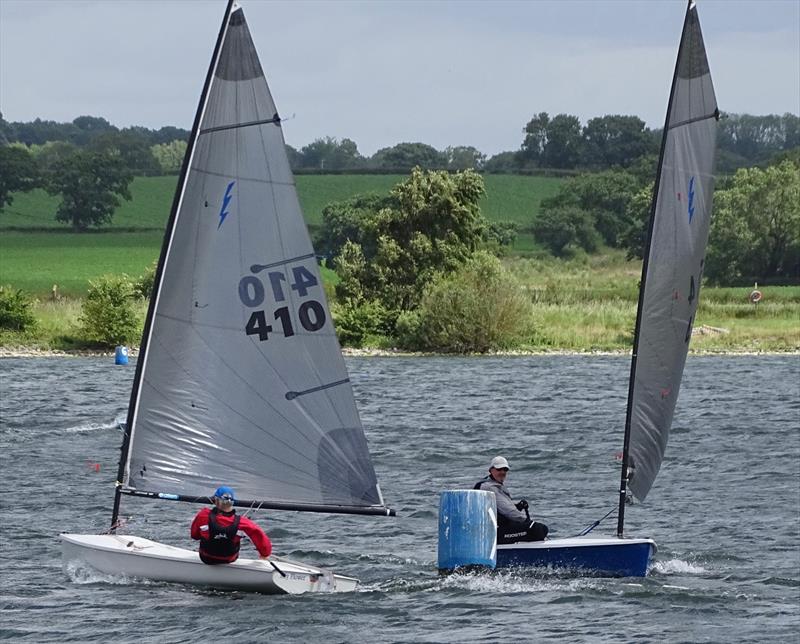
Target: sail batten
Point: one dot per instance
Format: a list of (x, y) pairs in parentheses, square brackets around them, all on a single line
[(714, 115), (243, 382), (673, 262), (233, 126)]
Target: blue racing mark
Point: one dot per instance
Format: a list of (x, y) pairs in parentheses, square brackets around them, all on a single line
[(223, 212), (691, 199)]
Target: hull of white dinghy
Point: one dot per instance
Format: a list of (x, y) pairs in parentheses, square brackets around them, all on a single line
[(601, 556), (141, 558)]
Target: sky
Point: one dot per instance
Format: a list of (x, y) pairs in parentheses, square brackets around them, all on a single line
[(383, 72)]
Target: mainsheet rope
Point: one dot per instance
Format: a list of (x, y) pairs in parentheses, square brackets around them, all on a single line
[(596, 523), (272, 563)]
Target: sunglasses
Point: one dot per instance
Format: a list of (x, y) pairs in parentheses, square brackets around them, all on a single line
[(225, 498)]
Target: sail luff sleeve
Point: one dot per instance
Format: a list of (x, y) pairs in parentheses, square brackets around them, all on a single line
[(123, 469), (675, 257), (626, 468)]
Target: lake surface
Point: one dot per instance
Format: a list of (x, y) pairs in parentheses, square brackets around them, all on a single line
[(725, 509)]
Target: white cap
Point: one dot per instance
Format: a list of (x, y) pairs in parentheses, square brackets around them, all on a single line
[(498, 462)]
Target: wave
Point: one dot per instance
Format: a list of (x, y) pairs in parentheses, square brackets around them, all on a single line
[(494, 582), (677, 566), (81, 573), (93, 427)]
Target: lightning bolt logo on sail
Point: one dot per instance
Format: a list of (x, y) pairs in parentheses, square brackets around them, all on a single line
[(223, 211), (691, 199)]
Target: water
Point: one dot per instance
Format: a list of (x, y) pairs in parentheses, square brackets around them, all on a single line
[(725, 509)]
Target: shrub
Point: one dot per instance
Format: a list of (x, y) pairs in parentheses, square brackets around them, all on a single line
[(564, 229), (15, 310), (479, 308), (107, 315), (755, 228), (409, 330), (500, 236), (431, 223), (143, 286), (357, 323)]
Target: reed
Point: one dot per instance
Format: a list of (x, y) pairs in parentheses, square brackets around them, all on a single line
[(584, 304), (589, 304)]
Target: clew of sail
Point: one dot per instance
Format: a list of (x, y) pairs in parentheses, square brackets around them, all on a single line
[(242, 380), (674, 257)]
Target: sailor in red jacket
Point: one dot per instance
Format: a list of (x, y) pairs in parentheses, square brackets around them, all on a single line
[(220, 530)]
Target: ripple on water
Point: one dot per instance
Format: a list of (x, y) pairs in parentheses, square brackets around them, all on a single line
[(432, 424)]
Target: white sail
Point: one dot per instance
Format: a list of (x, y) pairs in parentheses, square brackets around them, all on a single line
[(674, 260), (242, 380)]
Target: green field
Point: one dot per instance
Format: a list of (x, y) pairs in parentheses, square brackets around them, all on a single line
[(508, 197), (36, 261), (37, 252), (148, 210)]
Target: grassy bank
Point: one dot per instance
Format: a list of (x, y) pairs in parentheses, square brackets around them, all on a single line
[(581, 305), (608, 326), (590, 304)]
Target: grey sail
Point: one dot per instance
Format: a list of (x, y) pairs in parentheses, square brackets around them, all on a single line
[(243, 381), (674, 263)]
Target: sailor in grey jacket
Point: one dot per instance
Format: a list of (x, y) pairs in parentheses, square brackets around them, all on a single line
[(513, 522)]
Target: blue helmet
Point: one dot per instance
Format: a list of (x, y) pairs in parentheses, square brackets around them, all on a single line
[(225, 493)]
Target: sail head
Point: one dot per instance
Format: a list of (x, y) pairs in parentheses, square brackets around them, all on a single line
[(674, 260), (243, 381)]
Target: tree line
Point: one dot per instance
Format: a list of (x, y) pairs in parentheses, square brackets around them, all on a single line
[(559, 144)]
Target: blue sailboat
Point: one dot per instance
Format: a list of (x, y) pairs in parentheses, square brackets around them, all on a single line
[(670, 287)]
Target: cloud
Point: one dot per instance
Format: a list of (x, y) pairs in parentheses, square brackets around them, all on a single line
[(445, 73)]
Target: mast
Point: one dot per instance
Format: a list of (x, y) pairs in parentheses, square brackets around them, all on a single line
[(176, 201), (623, 487)]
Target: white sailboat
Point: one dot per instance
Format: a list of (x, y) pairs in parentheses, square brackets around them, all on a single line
[(240, 378), (668, 298)]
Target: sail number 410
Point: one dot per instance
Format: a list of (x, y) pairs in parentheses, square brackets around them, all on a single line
[(252, 294)]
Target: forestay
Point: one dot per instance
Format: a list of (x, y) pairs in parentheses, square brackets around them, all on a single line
[(243, 380), (674, 264)]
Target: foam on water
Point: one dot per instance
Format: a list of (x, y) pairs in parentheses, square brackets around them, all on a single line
[(512, 582), (92, 427), (677, 566), (82, 573), (493, 582)]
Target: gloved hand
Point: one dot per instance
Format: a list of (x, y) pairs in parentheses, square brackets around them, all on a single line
[(522, 505)]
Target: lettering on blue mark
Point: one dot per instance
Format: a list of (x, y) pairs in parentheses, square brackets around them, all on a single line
[(691, 199), (223, 212)]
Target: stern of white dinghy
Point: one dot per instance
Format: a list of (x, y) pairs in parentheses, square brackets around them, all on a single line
[(296, 579)]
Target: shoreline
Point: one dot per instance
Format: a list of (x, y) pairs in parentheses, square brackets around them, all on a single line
[(133, 352)]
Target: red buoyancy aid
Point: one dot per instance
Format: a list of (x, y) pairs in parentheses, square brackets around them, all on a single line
[(222, 543)]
